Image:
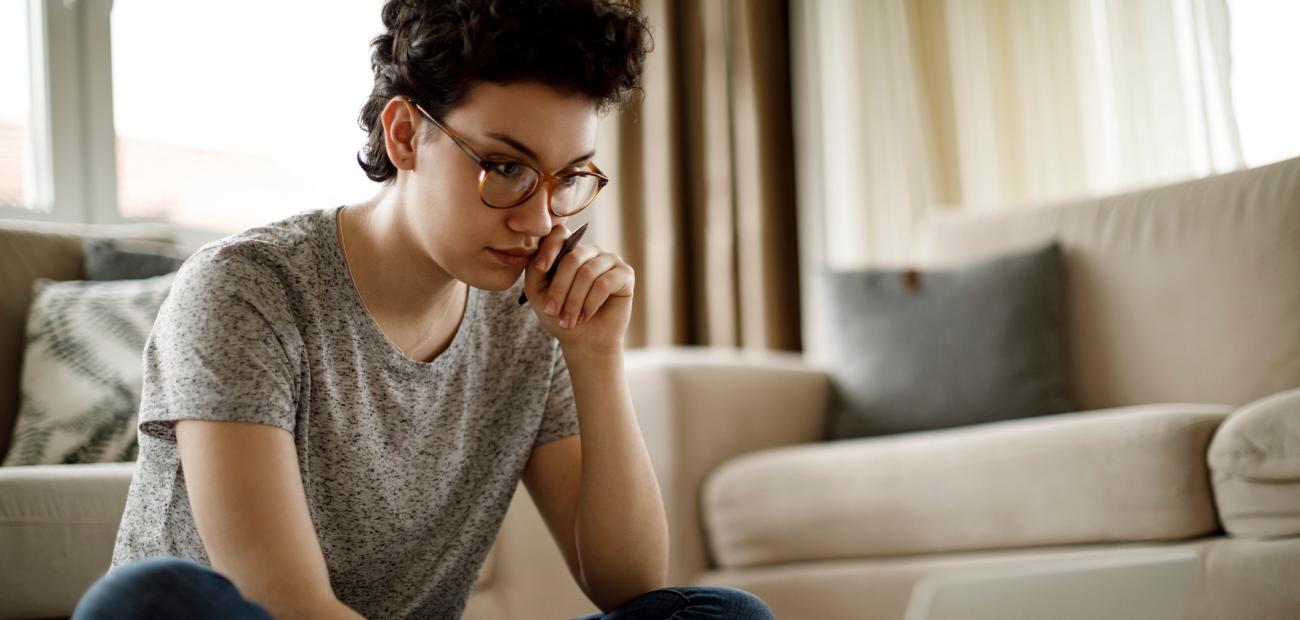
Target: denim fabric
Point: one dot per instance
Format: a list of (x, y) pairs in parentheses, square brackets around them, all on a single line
[(170, 587), (690, 603), (166, 587)]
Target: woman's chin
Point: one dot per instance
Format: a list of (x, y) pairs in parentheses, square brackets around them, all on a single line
[(499, 279)]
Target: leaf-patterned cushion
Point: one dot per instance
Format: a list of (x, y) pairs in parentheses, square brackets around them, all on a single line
[(82, 370)]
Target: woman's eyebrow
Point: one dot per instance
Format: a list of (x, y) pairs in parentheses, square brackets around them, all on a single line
[(523, 148)]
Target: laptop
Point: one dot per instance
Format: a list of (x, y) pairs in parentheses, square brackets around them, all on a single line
[(1150, 586)]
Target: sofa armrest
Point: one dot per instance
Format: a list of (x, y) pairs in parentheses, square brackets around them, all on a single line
[(58, 524), (1255, 465), (699, 408)]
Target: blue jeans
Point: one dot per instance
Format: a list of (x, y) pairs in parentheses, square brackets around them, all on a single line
[(690, 603), (167, 587)]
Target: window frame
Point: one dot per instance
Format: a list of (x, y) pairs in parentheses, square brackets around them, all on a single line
[(72, 133), (71, 124)]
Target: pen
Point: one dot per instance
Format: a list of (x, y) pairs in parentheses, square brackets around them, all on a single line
[(569, 244)]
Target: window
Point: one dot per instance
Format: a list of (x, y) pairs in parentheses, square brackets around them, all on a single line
[(232, 114), (1265, 93), (17, 184)]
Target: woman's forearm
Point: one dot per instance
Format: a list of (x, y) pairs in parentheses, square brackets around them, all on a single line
[(621, 530)]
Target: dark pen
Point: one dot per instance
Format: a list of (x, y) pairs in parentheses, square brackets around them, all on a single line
[(569, 244)]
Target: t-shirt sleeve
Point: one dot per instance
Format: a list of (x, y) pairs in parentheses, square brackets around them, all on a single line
[(220, 348), (561, 417)]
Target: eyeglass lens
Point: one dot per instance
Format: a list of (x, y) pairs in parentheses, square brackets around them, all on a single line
[(507, 184)]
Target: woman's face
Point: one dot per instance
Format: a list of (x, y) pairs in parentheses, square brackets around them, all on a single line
[(525, 122)]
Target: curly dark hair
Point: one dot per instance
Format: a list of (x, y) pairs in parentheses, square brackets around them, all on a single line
[(434, 50)]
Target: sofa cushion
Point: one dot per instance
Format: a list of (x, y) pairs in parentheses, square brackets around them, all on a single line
[(57, 527), (913, 350), (1182, 293), (1123, 475), (31, 250), (82, 370), (1240, 579), (1255, 462), (126, 259)]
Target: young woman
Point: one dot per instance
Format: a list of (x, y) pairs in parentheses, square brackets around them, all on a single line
[(337, 407)]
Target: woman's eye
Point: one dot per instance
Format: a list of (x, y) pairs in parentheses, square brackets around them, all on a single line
[(508, 169), (568, 181)]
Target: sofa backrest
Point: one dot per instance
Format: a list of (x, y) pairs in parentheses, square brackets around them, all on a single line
[(31, 250), (1183, 293)]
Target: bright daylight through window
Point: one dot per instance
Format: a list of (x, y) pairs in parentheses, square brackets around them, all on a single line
[(16, 157), (231, 114)]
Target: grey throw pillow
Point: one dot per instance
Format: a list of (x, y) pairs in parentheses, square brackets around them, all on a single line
[(120, 259), (922, 350)]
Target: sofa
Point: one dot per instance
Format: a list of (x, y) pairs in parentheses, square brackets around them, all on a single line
[(1183, 332), (1183, 339)]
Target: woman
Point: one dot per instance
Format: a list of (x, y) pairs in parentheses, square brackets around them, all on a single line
[(337, 407)]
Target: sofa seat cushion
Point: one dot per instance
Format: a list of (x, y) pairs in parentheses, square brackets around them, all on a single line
[(1121, 475), (1255, 461), (1240, 579), (57, 528)]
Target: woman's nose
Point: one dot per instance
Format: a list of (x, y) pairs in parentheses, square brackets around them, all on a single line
[(533, 216)]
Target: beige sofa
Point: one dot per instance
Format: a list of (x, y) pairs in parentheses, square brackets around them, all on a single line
[(1183, 311), (1184, 332)]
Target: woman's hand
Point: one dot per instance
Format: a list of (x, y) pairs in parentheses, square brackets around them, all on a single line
[(590, 298)]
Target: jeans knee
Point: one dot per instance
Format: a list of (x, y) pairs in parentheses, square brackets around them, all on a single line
[(140, 583), (151, 574), (743, 604)]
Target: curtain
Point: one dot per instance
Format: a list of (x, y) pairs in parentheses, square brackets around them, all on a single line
[(904, 106), (702, 198)]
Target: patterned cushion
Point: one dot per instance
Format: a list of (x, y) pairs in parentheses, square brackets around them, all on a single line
[(82, 370)]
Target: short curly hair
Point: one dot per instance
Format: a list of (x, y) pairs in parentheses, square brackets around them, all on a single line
[(433, 51)]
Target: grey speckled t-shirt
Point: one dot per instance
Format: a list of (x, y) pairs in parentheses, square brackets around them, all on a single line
[(408, 466)]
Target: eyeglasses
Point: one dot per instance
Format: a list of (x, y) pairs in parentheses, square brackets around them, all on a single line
[(503, 184)]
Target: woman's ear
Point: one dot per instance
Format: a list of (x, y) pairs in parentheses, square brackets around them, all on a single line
[(398, 118)]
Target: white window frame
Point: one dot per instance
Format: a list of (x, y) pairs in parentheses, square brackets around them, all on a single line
[(73, 137), (71, 125)]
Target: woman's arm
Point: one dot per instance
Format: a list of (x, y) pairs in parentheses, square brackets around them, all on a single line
[(598, 493), (620, 530), (250, 509), (621, 527)]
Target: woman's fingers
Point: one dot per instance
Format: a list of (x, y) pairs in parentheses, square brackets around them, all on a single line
[(578, 270), (619, 278), (549, 248)]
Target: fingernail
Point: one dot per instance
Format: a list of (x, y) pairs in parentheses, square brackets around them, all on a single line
[(540, 264), (564, 322), (550, 307), (582, 318)]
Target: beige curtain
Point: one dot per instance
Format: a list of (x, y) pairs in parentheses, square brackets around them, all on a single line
[(906, 107), (910, 105), (702, 199)]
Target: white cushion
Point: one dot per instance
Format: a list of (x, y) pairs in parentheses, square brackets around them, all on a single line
[(1255, 460)]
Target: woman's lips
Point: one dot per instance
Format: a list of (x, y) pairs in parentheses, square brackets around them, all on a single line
[(511, 259)]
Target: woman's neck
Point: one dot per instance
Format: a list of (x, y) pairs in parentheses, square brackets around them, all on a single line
[(404, 290)]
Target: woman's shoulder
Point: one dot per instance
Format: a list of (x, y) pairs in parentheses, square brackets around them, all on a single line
[(278, 256)]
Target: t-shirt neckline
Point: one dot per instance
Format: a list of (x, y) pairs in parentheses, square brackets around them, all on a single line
[(444, 359)]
